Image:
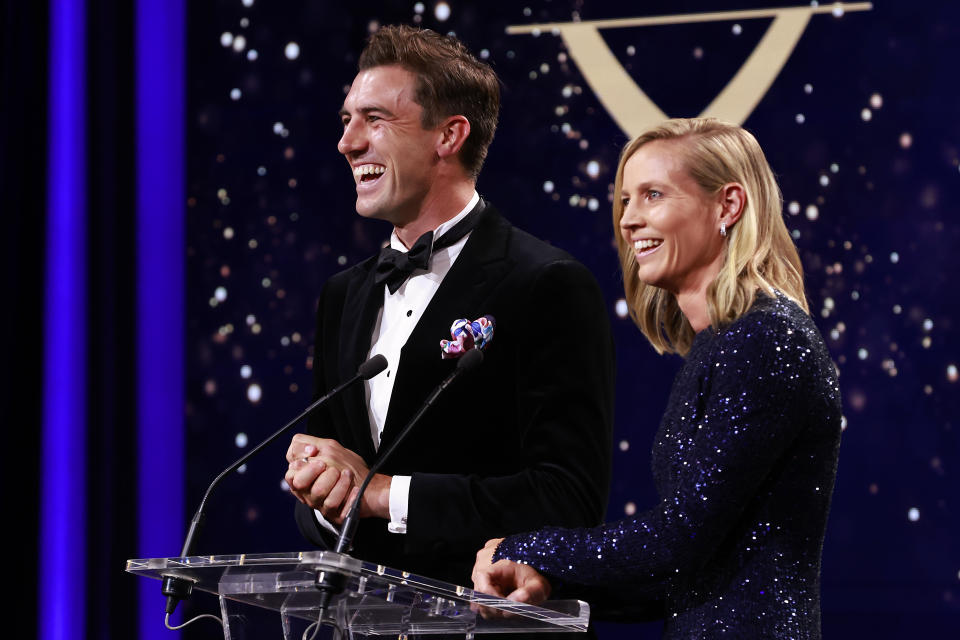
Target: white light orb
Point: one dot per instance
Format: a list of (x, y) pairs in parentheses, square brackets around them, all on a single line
[(621, 308)]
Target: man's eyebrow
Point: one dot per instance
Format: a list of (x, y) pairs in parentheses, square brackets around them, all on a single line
[(367, 109)]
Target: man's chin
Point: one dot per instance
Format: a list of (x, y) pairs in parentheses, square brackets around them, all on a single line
[(367, 209), (376, 210)]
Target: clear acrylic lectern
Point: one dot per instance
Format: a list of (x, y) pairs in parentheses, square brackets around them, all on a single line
[(376, 601)]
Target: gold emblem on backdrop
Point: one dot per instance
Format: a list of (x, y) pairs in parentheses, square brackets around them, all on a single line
[(634, 111)]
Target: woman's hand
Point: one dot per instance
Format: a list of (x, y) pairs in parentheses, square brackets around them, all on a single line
[(507, 579)]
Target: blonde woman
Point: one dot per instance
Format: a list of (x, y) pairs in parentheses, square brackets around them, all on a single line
[(745, 456)]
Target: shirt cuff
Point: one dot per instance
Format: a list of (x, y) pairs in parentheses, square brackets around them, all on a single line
[(326, 525), (399, 501)]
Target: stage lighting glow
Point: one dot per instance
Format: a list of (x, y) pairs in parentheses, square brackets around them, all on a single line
[(621, 308)]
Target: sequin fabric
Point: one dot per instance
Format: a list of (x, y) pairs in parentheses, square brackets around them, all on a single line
[(744, 463)]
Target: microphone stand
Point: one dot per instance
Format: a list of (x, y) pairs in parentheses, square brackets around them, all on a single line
[(331, 583), (176, 588)]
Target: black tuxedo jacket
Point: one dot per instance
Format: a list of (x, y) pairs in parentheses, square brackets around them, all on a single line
[(522, 442)]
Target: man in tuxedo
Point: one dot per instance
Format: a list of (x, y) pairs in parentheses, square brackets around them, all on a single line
[(522, 442)]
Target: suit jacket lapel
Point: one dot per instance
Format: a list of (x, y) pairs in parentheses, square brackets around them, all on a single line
[(461, 293), (362, 304)]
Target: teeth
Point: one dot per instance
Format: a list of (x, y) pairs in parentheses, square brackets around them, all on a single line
[(368, 169), (646, 244)]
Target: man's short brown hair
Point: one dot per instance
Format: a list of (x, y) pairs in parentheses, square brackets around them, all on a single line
[(450, 81)]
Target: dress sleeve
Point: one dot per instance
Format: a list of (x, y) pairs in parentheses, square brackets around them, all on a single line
[(721, 442)]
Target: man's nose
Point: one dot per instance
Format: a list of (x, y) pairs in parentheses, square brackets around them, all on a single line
[(352, 139)]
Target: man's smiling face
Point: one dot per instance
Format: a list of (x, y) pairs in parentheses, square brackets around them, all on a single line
[(392, 156)]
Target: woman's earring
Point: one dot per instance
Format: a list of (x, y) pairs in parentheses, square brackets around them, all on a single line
[(723, 229)]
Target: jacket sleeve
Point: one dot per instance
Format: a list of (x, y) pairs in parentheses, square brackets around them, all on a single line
[(564, 408), (320, 425)]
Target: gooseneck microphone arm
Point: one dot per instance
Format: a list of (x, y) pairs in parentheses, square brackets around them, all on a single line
[(177, 589), (329, 583), (469, 361)]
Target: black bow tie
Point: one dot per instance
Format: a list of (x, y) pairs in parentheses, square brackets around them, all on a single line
[(394, 267)]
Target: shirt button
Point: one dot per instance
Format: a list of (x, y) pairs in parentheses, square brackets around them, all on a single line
[(409, 312)]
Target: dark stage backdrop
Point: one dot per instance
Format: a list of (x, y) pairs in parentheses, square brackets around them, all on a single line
[(860, 125)]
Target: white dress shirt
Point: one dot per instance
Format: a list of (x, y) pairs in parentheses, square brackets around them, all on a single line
[(399, 315)]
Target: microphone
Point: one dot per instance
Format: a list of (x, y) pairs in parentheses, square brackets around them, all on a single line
[(177, 589), (330, 583)]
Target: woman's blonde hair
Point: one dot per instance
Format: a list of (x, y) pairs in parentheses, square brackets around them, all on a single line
[(759, 251)]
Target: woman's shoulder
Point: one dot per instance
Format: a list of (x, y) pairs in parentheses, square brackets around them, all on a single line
[(773, 330), (776, 316)]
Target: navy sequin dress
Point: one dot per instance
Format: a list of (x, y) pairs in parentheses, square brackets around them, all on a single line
[(744, 463)]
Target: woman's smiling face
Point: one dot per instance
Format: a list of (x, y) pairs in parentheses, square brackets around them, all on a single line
[(668, 219)]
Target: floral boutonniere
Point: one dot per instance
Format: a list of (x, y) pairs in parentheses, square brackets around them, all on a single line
[(467, 335)]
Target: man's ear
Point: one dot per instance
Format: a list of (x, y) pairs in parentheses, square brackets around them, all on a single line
[(732, 199), (453, 133)]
